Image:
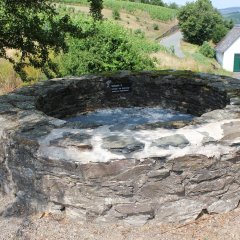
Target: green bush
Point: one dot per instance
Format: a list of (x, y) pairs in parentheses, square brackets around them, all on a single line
[(207, 51), (116, 14), (138, 32), (110, 48), (155, 27)]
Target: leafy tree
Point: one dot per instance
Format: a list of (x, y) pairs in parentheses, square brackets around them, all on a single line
[(35, 30), (173, 5), (154, 2), (200, 20), (96, 7), (221, 29)]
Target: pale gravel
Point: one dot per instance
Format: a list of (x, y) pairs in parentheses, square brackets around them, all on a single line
[(39, 227)]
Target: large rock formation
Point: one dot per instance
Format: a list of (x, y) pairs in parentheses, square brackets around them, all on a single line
[(168, 173)]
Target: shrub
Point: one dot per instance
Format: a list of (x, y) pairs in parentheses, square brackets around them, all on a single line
[(207, 51), (155, 26), (110, 48), (116, 14), (138, 32)]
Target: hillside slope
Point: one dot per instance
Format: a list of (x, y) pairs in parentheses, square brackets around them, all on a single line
[(231, 13), (225, 11), (141, 22), (155, 12)]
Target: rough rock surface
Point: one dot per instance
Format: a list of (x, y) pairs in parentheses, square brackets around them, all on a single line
[(47, 163), (176, 140), (122, 144)]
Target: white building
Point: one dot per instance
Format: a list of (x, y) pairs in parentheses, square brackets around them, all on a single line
[(228, 50)]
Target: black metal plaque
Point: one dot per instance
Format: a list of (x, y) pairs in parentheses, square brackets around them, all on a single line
[(120, 87)]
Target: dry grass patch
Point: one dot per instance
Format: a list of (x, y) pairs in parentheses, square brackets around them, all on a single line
[(8, 77), (169, 61), (193, 61)]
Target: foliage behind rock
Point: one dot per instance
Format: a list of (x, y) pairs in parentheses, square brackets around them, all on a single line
[(109, 48)]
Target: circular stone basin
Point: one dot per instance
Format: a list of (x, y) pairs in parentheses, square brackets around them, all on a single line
[(118, 131), (112, 148), (130, 116)]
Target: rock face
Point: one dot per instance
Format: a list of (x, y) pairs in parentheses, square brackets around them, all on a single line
[(93, 173)]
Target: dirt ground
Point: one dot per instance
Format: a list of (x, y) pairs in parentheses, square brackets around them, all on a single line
[(46, 227)]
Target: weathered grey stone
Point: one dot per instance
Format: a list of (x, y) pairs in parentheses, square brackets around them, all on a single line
[(171, 185), (180, 211), (101, 170), (206, 175), (122, 144), (51, 164), (135, 209), (137, 220), (230, 128), (207, 139), (166, 125), (221, 114), (80, 141), (235, 101), (176, 140), (190, 163), (77, 214), (133, 173), (210, 187), (223, 206), (159, 174), (77, 125), (121, 127)]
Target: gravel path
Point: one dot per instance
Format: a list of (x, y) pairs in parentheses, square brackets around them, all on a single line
[(48, 227), (174, 40)]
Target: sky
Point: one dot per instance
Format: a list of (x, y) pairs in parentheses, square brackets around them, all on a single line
[(217, 3)]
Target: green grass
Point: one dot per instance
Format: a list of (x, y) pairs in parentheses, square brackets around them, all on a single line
[(205, 64), (156, 12)]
